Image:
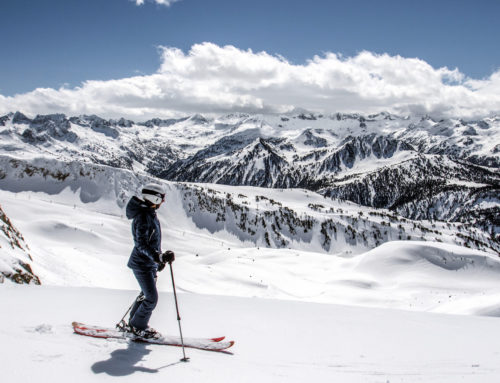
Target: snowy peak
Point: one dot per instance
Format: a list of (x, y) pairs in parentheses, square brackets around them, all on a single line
[(19, 118), (157, 122), (198, 119), (474, 141), (100, 125), (46, 128), (309, 138)]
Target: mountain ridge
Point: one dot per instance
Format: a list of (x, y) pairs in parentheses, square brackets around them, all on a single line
[(418, 167)]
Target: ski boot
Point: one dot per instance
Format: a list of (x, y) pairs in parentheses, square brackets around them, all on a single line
[(123, 326), (148, 333)]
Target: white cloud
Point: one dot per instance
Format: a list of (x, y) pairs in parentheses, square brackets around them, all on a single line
[(160, 2), (215, 79)]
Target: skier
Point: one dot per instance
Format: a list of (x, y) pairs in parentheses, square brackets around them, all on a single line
[(146, 258)]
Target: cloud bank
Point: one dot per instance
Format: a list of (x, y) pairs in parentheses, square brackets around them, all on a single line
[(224, 79)]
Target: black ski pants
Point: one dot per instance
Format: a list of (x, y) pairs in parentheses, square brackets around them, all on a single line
[(142, 310)]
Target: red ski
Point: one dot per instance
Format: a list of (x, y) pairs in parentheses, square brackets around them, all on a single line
[(209, 344)]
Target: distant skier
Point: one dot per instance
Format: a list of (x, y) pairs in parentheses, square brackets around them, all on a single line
[(146, 258)]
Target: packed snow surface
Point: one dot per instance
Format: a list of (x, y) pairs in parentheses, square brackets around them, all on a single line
[(276, 341)]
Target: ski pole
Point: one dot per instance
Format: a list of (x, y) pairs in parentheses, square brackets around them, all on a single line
[(139, 298), (185, 359), (121, 324)]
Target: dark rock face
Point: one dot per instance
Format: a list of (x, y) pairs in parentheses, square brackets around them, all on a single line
[(248, 159), (52, 126), (123, 123), (312, 140), (421, 189), (162, 123), (4, 119), (20, 118)]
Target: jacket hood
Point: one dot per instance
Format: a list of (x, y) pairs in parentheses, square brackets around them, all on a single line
[(136, 206)]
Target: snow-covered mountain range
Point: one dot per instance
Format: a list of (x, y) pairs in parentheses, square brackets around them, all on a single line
[(419, 168)]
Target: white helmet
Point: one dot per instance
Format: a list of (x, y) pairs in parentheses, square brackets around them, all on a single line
[(153, 193)]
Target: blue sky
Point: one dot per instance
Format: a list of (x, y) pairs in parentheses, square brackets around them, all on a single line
[(55, 43)]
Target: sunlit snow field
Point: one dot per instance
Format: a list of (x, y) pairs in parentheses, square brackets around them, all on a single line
[(380, 316)]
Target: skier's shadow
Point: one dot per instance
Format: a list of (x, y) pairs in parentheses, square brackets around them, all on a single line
[(123, 362)]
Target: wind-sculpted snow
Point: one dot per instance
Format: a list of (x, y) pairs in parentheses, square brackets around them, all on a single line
[(397, 259), (91, 182)]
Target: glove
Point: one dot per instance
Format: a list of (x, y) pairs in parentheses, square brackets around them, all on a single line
[(168, 256), (157, 257)]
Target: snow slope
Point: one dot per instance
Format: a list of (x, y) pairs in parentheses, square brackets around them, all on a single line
[(87, 244), (277, 341), (364, 316)]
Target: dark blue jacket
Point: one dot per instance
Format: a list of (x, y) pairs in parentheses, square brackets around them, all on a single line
[(146, 231)]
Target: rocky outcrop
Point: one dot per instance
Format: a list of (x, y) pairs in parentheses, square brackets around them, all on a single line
[(14, 254)]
